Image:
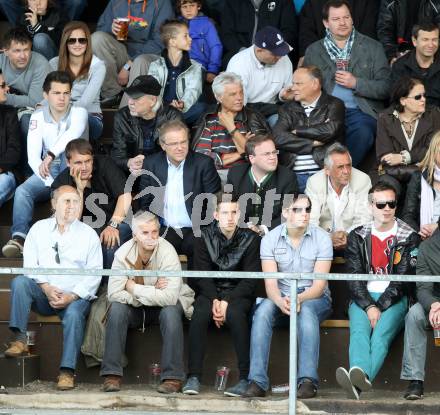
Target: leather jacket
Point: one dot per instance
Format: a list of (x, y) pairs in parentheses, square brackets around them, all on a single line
[(391, 23), (402, 260), (325, 124), (128, 137), (254, 121)]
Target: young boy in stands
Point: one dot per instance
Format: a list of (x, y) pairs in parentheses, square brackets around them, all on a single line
[(179, 76), (206, 47)]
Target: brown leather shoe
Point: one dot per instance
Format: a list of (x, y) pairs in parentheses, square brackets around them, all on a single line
[(66, 381), (112, 383), (170, 386), (254, 391), (16, 349)]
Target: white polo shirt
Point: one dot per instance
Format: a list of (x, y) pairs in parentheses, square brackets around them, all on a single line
[(261, 83)]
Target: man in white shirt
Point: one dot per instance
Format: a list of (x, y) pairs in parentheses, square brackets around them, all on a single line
[(58, 242), (266, 72), (50, 129), (339, 195)]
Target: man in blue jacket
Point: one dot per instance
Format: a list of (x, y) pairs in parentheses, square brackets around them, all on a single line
[(143, 38)]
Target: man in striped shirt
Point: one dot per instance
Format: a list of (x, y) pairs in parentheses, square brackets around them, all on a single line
[(308, 125)]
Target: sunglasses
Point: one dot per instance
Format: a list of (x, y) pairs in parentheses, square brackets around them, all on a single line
[(418, 97), (57, 254), (80, 40), (391, 203), (307, 209), (3, 85)]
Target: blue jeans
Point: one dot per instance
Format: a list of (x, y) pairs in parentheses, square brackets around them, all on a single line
[(193, 113), (369, 348), (266, 317), (7, 186), (301, 179), (27, 294), (108, 254), (31, 191), (272, 120), (43, 44), (96, 126), (360, 132), (13, 9)]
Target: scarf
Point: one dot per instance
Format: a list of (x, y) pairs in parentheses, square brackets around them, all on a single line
[(427, 199), (334, 51)]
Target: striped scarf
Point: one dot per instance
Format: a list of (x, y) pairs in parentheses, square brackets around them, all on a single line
[(334, 51)]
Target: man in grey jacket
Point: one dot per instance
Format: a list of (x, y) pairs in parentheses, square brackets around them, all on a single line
[(421, 315), (137, 301), (355, 69)]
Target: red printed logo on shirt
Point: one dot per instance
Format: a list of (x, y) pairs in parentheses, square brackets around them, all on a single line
[(33, 125)]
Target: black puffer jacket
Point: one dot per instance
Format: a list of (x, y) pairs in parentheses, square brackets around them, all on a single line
[(392, 30), (10, 139), (325, 124), (402, 260), (128, 137), (254, 121), (52, 23), (217, 253)]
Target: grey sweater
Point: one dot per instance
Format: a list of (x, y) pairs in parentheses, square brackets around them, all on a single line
[(86, 91), (28, 81)]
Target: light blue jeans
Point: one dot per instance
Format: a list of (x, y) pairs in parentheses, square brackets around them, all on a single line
[(27, 294), (44, 45), (369, 348), (31, 191), (7, 186), (266, 317)]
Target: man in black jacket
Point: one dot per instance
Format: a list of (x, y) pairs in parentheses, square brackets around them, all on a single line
[(396, 20), (10, 145), (262, 185), (308, 125), (223, 246), (423, 314), (241, 19), (422, 62), (174, 184), (378, 308), (363, 12), (136, 126)]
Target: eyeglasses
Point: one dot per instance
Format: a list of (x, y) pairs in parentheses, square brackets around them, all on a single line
[(391, 203), (80, 40), (57, 254), (418, 97), (3, 85), (307, 209), (269, 153)]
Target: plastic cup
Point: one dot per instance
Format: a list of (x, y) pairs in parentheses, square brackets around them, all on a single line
[(123, 31), (155, 372), (221, 378), (436, 330), (30, 341)]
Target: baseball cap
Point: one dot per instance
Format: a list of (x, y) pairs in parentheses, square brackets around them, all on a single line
[(143, 85), (270, 38)]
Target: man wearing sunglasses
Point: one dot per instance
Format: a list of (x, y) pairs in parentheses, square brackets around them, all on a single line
[(294, 246), (377, 311), (61, 241)]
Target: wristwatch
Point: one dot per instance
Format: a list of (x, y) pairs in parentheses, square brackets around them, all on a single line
[(113, 224), (127, 66)]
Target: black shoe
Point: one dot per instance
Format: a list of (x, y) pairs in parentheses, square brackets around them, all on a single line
[(254, 391), (306, 390), (414, 390), (112, 102)]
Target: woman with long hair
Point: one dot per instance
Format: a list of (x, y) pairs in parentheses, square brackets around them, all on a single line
[(86, 70), (422, 203), (404, 131)]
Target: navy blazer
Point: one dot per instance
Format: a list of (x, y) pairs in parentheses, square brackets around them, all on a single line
[(199, 176)]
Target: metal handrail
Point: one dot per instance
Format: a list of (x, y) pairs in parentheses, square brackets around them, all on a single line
[(293, 276)]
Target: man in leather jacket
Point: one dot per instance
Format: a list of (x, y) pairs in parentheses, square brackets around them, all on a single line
[(396, 19), (378, 308), (223, 246), (136, 126), (308, 125)]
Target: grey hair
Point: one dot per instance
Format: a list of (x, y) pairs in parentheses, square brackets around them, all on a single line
[(222, 79), (143, 217), (157, 105), (335, 148)]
